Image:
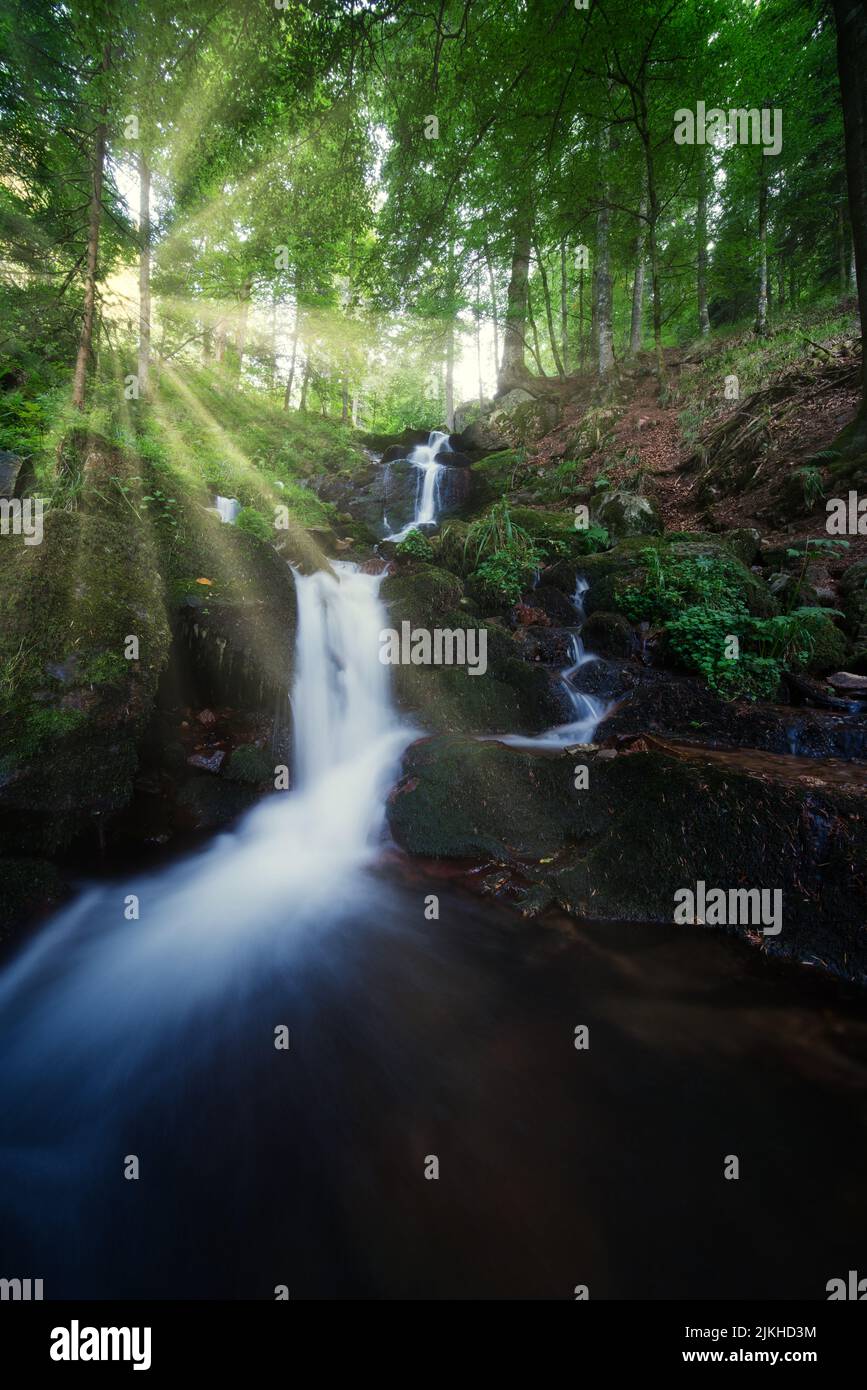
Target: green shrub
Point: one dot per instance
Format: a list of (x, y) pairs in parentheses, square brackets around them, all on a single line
[(253, 521), (415, 546)]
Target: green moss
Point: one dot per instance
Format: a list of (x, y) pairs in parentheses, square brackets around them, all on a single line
[(249, 764)]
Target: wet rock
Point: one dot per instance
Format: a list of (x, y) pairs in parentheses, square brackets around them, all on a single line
[(548, 645), (609, 634), (525, 615), (557, 606)]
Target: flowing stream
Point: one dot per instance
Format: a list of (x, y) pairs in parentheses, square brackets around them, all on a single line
[(153, 1039), (588, 711)]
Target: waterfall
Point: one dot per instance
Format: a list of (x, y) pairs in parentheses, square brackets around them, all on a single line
[(96, 1006), (429, 478), (588, 711)]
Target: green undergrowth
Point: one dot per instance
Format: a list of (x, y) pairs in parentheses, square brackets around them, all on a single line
[(700, 603)]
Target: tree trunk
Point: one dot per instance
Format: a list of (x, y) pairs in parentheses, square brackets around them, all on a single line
[(602, 290), (287, 398), (302, 404), (842, 267), (494, 316), (450, 376), (762, 302), (549, 313), (851, 19), (144, 278), (85, 342), (513, 370), (478, 318), (701, 258), (564, 309), (241, 335), (638, 282), (581, 319)]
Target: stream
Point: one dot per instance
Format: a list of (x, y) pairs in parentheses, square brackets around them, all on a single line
[(304, 1166)]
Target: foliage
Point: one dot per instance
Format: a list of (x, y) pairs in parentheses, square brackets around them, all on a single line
[(415, 546)]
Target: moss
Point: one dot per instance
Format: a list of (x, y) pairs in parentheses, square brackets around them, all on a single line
[(424, 595), (249, 764), (75, 707), (494, 477)]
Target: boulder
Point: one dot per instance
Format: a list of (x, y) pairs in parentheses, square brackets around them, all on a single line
[(511, 697), (626, 514), (608, 634)]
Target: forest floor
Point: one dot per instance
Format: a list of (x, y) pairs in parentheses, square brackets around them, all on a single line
[(656, 436)]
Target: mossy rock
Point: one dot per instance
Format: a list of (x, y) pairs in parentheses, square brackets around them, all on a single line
[(827, 645), (626, 514), (422, 594), (624, 567), (511, 696), (492, 478)]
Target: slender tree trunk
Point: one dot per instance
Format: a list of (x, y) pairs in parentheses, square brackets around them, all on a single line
[(851, 19), (564, 309), (534, 348), (602, 289), (220, 341), (638, 282), (701, 257), (302, 404), (493, 284), (450, 376), (513, 370), (549, 312), (842, 266), (243, 316), (762, 302), (581, 319), (356, 402), (85, 342), (853, 275), (144, 277), (478, 318), (290, 380)]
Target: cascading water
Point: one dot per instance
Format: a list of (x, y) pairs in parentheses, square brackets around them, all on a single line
[(102, 1014), (430, 474), (588, 711), (228, 508)]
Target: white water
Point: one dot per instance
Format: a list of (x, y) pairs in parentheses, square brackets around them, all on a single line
[(588, 710), (228, 507), (427, 494), (95, 999)]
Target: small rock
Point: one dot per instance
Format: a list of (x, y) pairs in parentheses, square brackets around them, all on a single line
[(208, 762), (207, 717)]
